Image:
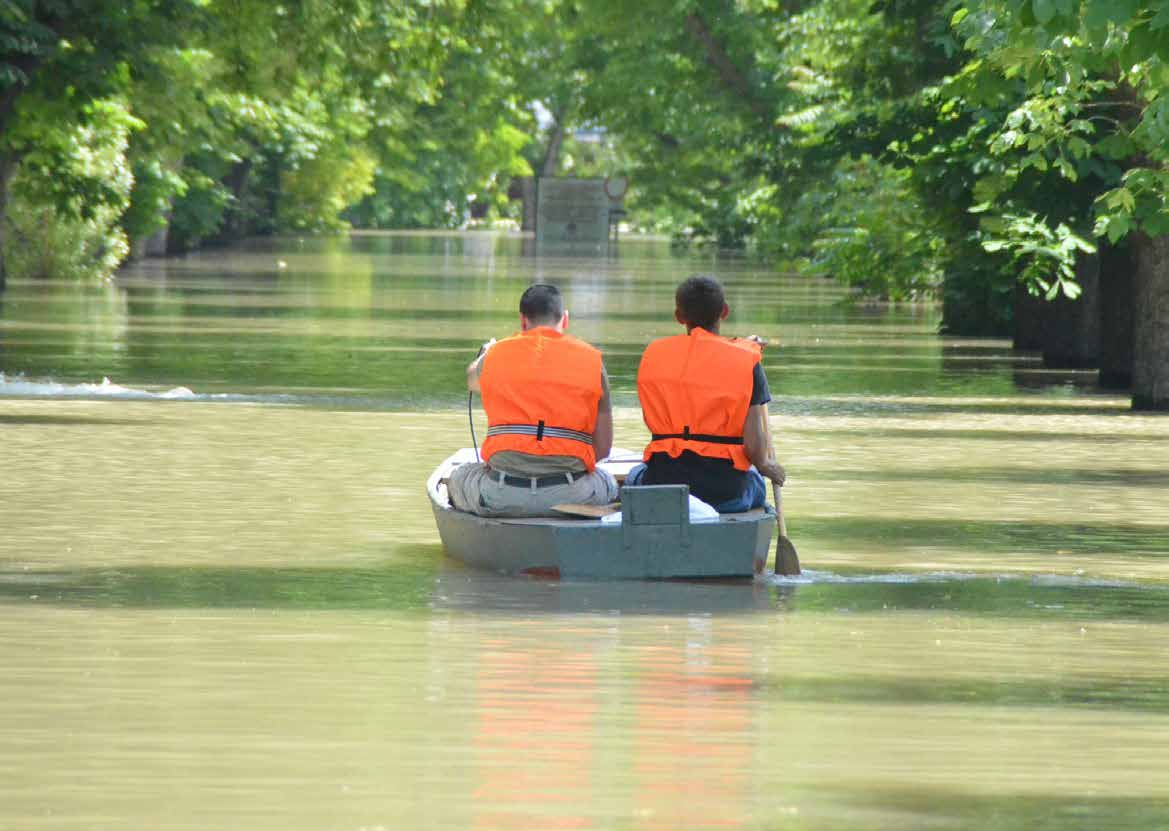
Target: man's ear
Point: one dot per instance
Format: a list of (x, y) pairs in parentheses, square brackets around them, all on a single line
[(564, 320), (524, 324), (678, 316), (726, 311)]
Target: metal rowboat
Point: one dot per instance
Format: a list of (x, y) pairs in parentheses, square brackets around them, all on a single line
[(654, 540)]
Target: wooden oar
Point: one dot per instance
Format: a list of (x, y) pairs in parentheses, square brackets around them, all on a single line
[(787, 561), (589, 511)]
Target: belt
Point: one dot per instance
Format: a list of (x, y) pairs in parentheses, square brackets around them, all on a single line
[(566, 478), (686, 435)]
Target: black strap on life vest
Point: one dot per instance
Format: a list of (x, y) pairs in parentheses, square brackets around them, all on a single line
[(686, 435)]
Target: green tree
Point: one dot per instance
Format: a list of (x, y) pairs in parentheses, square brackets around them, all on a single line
[(1093, 76), (60, 58)]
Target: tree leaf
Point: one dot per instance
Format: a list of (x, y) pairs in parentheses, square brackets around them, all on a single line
[(1044, 11), (1118, 228)]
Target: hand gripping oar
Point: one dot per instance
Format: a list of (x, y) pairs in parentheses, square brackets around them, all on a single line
[(787, 561)]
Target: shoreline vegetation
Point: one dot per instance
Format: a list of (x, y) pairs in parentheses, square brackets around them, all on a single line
[(1008, 159)]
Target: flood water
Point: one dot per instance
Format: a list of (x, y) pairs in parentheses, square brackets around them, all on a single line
[(223, 603)]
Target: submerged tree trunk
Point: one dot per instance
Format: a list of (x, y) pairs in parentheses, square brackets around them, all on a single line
[(7, 168), (1150, 378), (155, 245), (1028, 320), (1116, 317), (3, 243), (1067, 332), (238, 182)]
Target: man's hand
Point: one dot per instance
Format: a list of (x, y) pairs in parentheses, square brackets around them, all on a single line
[(476, 366), (774, 471)]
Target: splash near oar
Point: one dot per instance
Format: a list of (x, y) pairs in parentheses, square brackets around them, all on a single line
[(787, 561)]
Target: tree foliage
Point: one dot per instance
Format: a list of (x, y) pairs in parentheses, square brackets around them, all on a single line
[(904, 146)]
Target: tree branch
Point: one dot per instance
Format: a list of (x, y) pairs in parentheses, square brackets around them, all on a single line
[(728, 73)]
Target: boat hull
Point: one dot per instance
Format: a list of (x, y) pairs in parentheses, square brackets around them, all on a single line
[(654, 540)]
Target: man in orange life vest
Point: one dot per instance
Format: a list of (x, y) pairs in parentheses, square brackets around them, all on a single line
[(704, 399), (548, 418)]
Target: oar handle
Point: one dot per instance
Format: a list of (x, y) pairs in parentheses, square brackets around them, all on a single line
[(787, 561), (780, 525)]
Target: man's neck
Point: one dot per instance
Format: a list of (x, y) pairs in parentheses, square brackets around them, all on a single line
[(712, 330)]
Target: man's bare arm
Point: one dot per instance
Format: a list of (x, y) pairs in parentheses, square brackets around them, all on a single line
[(757, 443), (476, 366), (603, 433)]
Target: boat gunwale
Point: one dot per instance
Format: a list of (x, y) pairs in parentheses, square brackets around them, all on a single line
[(440, 503)]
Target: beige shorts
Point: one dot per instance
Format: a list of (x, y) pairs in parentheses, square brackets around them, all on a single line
[(476, 488)]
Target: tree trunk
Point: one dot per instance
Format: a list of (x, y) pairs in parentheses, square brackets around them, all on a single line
[(238, 181), (528, 194), (1074, 335), (1116, 317), (155, 244), (7, 168), (1067, 332), (1150, 378), (1029, 320), (552, 156)]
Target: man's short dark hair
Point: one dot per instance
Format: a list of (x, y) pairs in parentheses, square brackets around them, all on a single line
[(700, 300), (542, 303)]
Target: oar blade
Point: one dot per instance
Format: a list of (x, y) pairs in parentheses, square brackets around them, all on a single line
[(787, 561)]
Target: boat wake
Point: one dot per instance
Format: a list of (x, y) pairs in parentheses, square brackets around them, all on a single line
[(813, 576), (20, 386)]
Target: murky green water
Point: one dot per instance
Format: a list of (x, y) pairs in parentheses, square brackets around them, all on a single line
[(230, 610)]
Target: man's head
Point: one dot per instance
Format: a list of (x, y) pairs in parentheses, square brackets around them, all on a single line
[(699, 301), (542, 305)]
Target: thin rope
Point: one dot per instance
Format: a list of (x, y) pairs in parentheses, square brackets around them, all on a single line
[(471, 422)]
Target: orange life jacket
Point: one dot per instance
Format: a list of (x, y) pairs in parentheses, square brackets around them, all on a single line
[(695, 391), (540, 389)]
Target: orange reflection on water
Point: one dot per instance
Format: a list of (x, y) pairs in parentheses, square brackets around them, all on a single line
[(693, 750), (533, 740)]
